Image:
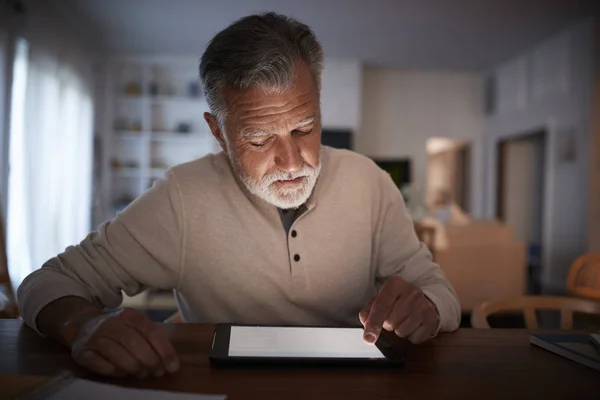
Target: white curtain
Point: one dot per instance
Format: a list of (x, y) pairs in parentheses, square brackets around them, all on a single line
[(50, 158)]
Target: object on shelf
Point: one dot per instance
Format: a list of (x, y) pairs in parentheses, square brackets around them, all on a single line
[(136, 126), (133, 89), (194, 89), (159, 164), (116, 164), (121, 124), (184, 127), (131, 164), (153, 89)]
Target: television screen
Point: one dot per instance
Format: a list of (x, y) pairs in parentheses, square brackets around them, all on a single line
[(338, 138), (399, 170)]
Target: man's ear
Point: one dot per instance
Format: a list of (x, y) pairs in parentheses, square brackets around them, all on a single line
[(213, 124)]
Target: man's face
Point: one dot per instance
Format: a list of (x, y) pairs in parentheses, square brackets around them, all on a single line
[(273, 139)]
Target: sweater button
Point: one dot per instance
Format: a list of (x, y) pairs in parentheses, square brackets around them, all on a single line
[(296, 257), (294, 233)]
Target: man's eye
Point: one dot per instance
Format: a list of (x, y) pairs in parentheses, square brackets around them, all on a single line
[(259, 144), (299, 132)]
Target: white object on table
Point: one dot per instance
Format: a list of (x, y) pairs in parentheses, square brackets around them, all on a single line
[(89, 390)]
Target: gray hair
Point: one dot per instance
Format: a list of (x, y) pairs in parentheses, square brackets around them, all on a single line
[(259, 50)]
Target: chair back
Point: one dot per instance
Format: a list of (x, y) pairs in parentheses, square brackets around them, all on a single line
[(584, 277), (426, 234), (528, 306)]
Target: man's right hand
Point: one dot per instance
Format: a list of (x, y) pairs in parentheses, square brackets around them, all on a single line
[(123, 343), (118, 343)]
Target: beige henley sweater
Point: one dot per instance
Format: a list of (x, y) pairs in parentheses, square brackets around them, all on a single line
[(226, 255)]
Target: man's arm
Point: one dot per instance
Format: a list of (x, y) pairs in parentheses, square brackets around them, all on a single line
[(142, 247), (62, 319), (400, 255)]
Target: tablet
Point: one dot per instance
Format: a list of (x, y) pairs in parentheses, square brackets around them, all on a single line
[(241, 344)]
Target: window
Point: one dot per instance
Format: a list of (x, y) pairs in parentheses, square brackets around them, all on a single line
[(50, 158)]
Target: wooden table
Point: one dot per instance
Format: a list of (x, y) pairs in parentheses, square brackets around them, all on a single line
[(468, 363)]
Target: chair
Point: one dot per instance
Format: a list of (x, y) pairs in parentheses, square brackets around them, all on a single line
[(584, 277), (529, 304), (426, 234)]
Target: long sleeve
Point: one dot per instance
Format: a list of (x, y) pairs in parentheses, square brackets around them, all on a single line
[(399, 252), (141, 247)]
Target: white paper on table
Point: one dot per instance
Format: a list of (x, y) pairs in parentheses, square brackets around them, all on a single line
[(89, 390)]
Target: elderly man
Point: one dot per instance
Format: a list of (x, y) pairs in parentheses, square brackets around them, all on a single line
[(274, 230)]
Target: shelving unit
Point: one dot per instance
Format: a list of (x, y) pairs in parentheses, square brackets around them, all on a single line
[(153, 121)]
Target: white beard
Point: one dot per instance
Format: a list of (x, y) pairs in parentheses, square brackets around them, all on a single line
[(280, 197)]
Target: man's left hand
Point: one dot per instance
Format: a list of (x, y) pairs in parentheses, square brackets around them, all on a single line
[(402, 308)]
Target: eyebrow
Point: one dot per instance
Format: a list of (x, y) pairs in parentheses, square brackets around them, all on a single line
[(305, 122), (251, 133)]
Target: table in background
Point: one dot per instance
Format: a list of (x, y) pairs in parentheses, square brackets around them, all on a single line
[(468, 363)]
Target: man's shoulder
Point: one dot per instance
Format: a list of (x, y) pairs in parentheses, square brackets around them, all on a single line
[(211, 169)]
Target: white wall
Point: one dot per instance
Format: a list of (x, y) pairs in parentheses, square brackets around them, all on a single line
[(402, 109), (549, 87), (341, 94)]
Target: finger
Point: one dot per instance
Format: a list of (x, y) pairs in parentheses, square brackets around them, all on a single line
[(159, 341), (380, 309), (98, 364), (364, 313), (140, 348), (408, 326), (118, 355), (421, 334), (157, 338), (400, 311)]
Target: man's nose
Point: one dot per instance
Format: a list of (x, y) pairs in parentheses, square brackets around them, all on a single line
[(287, 157)]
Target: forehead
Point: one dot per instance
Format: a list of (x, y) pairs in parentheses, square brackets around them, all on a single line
[(262, 109)]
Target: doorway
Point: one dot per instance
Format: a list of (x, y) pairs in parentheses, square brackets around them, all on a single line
[(520, 196), (449, 172)]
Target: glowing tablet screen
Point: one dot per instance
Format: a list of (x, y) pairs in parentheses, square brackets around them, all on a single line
[(250, 341)]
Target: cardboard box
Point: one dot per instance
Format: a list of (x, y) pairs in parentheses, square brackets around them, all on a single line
[(484, 272), (482, 261)]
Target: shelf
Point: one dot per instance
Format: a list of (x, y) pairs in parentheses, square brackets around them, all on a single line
[(162, 99), (161, 136), (177, 136), (184, 99), (128, 172), (158, 172), (132, 99), (128, 113), (131, 134)]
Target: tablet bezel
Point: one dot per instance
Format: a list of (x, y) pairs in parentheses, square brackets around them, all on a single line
[(219, 353)]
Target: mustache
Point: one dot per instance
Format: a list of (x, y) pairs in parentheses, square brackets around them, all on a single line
[(273, 177)]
